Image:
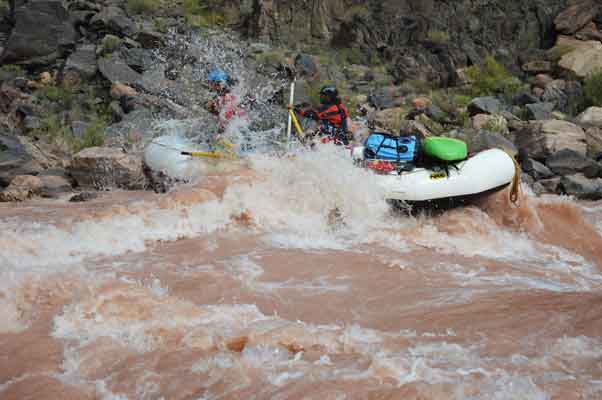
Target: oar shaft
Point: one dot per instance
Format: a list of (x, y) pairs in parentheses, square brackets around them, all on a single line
[(295, 122), (202, 154), (290, 115)]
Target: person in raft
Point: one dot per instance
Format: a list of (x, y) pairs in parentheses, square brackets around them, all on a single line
[(228, 107), (332, 115), (224, 104)]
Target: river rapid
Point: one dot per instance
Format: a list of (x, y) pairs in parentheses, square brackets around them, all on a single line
[(242, 285)]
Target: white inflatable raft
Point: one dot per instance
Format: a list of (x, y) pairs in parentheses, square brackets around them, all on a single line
[(484, 171), (165, 154)]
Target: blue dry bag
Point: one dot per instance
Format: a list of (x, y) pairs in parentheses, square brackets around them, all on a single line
[(382, 146)]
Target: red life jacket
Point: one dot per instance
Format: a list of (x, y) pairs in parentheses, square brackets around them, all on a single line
[(334, 115), (226, 106)]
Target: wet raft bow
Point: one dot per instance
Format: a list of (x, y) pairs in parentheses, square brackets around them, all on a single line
[(181, 158)]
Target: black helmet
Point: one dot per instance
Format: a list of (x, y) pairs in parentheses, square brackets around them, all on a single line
[(328, 94)]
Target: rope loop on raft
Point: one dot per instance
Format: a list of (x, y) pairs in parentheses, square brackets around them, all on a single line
[(514, 194)]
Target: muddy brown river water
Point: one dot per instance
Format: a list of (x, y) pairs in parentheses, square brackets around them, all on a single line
[(241, 287)]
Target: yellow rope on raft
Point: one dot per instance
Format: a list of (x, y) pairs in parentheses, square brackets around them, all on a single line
[(515, 184)]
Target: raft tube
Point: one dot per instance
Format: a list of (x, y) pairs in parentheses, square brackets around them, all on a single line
[(484, 171)]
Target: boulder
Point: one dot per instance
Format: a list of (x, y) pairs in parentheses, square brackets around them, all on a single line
[(568, 162), (82, 62), (584, 60), (536, 169), (591, 118), (537, 67), (495, 123), (576, 16), (580, 186), (103, 168), (15, 160), (540, 111), (22, 187), (540, 139), (593, 137), (115, 69), (485, 105), (113, 20), (489, 140), (53, 185), (41, 34), (589, 32), (551, 185), (138, 59), (83, 196)]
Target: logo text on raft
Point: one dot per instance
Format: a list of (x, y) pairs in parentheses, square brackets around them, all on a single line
[(438, 175)]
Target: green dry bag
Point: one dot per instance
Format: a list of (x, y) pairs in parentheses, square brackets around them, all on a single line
[(444, 148)]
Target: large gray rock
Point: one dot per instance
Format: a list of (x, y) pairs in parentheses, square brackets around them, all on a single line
[(116, 70), (485, 105), (568, 162), (536, 169), (113, 20), (82, 62), (103, 168), (592, 117), (551, 185), (15, 160), (489, 140), (53, 185), (42, 33), (580, 186), (138, 59), (540, 139), (540, 111), (556, 96)]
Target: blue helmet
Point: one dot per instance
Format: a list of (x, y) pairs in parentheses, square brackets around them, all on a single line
[(218, 75)]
